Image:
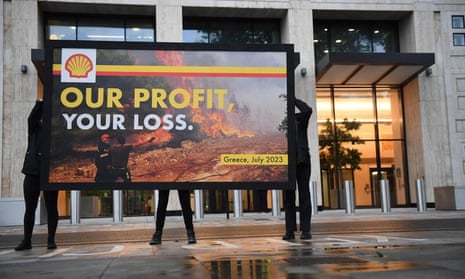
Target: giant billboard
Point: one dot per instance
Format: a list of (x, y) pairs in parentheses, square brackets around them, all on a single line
[(168, 116)]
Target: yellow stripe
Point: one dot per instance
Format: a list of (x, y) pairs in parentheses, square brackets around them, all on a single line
[(185, 69)]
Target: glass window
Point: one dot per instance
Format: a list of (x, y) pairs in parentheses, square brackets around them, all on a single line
[(384, 38), (61, 29), (139, 30), (195, 31), (247, 31), (320, 40), (230, 32), (458, 21), (100, 29), (266, 33), (354, 112), (459, 39), (93, 33), (389, 113), (354, 36), (195, 36), (351, 37)]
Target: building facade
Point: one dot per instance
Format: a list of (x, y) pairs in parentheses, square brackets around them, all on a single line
[(387, 75)]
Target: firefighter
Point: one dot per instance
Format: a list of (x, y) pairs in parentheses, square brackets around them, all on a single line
[(103, 160), (120, 156)]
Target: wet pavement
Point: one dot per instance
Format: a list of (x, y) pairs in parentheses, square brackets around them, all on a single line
[(369, 244)]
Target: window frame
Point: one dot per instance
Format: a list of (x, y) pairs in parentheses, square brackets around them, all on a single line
[(454, 19), (221, 25), (78, 22), (458, 35)]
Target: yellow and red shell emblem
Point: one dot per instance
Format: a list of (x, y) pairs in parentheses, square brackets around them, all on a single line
[(78, 65)]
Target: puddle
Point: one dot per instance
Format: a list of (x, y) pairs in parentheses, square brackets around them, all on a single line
[(369, 266), (266, 268)]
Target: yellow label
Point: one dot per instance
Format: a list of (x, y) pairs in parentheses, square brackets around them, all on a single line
[(254, 159)]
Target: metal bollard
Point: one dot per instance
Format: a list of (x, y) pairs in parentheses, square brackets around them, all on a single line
[(421, 196), (314, 197), (385, 196), (349, 194), (198, 201), (117, 206), (155, 204), (237, 203), (75, 207), (276, 208)]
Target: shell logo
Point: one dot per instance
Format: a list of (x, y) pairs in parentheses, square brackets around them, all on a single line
[(78, 66)]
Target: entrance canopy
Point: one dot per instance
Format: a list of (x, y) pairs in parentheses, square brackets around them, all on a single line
[(388, 69)]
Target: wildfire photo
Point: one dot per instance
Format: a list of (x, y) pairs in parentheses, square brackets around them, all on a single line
[(177, 113)]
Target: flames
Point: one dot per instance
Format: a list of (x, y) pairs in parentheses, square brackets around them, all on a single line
[(212, 123), (161, 137)]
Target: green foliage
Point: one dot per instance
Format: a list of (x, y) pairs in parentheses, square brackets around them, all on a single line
[(333, 153)]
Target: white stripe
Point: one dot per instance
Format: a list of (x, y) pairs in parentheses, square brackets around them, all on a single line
[(115, 249), (5, 252), (56, 252)]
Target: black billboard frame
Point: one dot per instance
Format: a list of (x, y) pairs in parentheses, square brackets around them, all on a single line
[(291, 60)]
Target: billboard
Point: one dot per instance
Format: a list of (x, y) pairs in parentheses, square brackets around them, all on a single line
[(168, 116)]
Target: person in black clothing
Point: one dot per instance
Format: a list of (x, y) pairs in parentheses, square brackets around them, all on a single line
[(103, 160), (184, 198), (31, 184), (303, 177), (120, 156)]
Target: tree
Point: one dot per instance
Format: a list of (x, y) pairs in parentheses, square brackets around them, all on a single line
[(337, 160), (333, 154)]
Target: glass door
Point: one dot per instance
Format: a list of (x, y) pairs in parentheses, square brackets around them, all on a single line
[(360, 133)]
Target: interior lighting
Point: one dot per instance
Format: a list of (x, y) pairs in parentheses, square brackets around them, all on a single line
[(338, 41), (105, 36), (351, 29)]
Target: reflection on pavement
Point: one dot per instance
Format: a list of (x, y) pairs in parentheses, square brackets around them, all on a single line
[(334, 256)]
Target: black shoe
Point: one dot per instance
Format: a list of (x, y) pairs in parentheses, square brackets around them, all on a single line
[(289, 236), (24, 245), (306, 235), (191, 237), (156, 238), (51, 245)]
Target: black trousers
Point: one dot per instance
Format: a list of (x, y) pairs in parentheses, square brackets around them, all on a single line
[(31, 188), (184, 198), (305, 207)]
